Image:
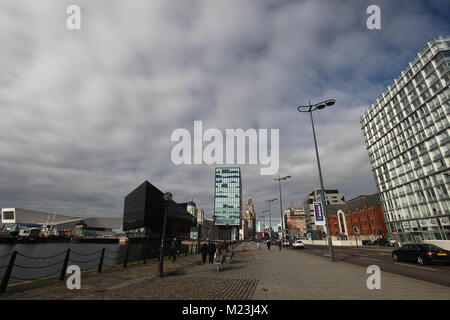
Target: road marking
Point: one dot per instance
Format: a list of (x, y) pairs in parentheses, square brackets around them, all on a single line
[(370, 259), (385, 253), (409, 265)]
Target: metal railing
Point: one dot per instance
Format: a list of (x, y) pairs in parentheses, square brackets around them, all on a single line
[(86, 261)]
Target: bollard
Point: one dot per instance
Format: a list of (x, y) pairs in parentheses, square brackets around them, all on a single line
[(144, 253), (64, 267), (126, 257), (8, 272), (100, 264)]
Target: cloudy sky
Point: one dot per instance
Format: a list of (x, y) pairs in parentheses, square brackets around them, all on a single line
[(86, 115)]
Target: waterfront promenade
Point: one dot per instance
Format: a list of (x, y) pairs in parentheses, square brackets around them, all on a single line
[(253, 275)]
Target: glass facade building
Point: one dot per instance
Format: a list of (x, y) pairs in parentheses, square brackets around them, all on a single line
[(407, 137), (143, 214), (228, 197)]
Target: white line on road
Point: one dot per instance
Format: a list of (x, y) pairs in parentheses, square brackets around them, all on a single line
[(408, 265), (385, 253), (371, 259)]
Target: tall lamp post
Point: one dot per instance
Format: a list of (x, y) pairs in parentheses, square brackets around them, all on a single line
[(281, 204), (310, 108), (167, 199), (270, 217)]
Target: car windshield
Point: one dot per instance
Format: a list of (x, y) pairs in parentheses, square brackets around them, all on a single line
[(430, 247)]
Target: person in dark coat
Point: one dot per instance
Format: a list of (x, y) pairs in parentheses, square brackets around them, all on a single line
[(204, 250), (173, 250), (211, 252), (268, 244)]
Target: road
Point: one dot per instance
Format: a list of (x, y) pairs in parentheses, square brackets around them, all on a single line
[(382, 257)]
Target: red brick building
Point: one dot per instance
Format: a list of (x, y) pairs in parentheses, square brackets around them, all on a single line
[(295, 220), (363, 213)]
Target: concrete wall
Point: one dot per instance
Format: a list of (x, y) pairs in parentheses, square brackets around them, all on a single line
[(339, 243), (444, 244)]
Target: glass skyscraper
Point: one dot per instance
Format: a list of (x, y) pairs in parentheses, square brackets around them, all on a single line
[(227, 197), (407, 136)]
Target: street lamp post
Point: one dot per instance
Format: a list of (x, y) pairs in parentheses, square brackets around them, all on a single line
[(310, 108), (270, 217), (281, 204), (167, 199)]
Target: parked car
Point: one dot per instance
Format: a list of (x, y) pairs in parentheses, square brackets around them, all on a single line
[(366, 242), (298, 244), (382, 242), (392, 242), (422, 254)]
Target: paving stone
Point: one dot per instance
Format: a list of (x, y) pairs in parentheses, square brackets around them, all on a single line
[(253, 274)]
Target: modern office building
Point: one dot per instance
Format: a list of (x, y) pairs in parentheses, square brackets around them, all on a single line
[(333, 197), (407, 137), (228, 200), (143, 214)]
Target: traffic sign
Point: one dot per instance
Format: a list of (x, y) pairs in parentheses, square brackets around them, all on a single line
[(394, 233)]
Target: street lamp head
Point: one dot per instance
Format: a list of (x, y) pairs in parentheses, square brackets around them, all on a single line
[(321, 106), (167, 196), (330, 102)]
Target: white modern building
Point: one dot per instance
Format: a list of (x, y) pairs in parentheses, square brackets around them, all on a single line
[(407, 137)]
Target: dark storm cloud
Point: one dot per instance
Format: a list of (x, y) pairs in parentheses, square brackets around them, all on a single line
[(87, 115)]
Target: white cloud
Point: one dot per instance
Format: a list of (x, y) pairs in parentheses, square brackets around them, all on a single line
[(87, 115)]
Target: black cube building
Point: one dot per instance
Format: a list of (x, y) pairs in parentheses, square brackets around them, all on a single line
[(143, 214)]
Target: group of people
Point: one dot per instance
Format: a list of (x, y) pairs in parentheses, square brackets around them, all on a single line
[(279, 243), (209, 249)]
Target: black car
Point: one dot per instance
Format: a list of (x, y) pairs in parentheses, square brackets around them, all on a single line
[(422, 254), (383, 242)]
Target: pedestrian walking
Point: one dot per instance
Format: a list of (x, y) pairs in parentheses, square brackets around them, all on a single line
[(204, 250), (223, 249), (280, 244), (174, 250), (211, 252), (268, 244)]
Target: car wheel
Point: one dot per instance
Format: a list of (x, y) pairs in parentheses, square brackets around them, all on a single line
[(420, 260), (395, 257)]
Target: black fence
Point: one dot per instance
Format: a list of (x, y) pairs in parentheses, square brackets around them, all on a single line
[(21, 267)]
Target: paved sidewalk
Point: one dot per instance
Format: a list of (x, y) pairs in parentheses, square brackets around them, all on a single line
[(253, 274)]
